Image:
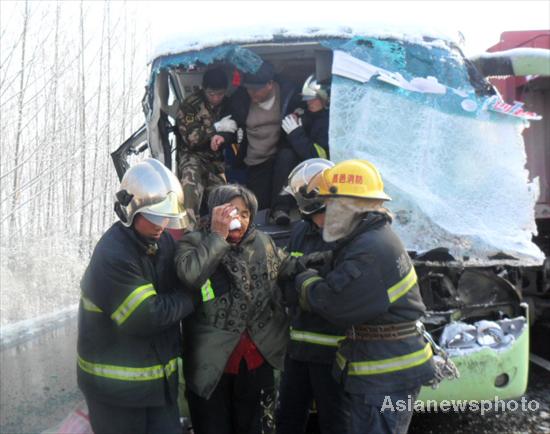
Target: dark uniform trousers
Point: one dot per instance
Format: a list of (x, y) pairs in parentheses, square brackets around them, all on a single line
[(308, 365), (111, 419), (267, 179), (233, 407), (373, 282), (302, 383), (285, 160), (380, 414)]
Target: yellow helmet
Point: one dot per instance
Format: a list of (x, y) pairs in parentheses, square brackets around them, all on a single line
[(350, 178)]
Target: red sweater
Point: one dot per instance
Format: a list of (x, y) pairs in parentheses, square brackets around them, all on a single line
[(247, 350)]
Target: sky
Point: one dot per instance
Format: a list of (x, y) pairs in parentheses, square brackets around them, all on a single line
[(481, 22)]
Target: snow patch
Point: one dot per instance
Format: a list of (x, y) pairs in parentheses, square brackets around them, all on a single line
[(22, 331), (233, 34)]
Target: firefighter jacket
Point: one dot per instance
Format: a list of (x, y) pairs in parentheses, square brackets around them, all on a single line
[(195, 121), (129, 321), (311, 140), (312, 337), (372, 282), (238, 283)]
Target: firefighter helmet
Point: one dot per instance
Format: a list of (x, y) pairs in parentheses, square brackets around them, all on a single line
[(350, 178), (308, 203), (312, 89), (151, 189)]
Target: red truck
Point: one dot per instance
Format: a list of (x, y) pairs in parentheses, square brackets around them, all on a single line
[(534, 91)]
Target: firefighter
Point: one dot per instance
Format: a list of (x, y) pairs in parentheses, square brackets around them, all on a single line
[(205, 128), (372, 291), (130, 310), (306, 137), (307, 133), (313, 339)]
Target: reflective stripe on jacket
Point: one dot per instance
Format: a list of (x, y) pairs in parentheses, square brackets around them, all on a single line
[(129, 336), (373, 282), (312, 337)]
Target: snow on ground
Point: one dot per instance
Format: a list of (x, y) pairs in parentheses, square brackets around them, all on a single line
[(39, 281)]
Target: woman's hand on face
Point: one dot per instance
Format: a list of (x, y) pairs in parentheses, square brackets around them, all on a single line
[(221, 218)]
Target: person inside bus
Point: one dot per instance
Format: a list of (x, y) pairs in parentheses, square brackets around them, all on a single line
[(204, 128), (306, 137), (259, 106)]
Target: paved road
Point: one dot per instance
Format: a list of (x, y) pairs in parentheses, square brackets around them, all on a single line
[(38, 382), (508, 422), (38, 390)]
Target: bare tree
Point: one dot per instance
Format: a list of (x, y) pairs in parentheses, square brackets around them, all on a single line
[(18, 147), (106, 193), (97, 135), (53, 139), (83, 143)]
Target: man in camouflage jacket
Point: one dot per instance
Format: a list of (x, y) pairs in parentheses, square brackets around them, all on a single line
[(203, 131)]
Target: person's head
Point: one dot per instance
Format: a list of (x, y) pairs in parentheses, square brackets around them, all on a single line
[(149, 226), (259, 84), (351, 189), (309, 204), (214, 83), (150, 199), (319, 218), (244, 202), (315, 95)]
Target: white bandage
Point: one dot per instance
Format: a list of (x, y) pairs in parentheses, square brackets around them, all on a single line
[(235, 223)]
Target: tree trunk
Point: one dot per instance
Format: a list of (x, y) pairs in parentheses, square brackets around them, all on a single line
[(83, 144), (14, 221)]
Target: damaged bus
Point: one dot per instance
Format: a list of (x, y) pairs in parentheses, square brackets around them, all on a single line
[(450, 152)]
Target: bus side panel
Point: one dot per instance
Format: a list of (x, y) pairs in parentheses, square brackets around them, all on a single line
[(479, 371)]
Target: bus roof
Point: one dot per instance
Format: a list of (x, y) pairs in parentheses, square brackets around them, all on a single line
[(184, 41)]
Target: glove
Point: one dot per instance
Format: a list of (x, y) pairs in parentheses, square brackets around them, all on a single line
[(320, 261), (290, 123), (220, 282), (290, 295), (292, 265), (194, 296), (290, 268), (226, 125)]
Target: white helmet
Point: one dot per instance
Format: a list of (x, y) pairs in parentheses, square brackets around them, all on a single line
[(151, 189), (309, 203), (311, 90)]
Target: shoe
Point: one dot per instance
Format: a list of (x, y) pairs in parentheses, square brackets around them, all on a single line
[(281, 217)]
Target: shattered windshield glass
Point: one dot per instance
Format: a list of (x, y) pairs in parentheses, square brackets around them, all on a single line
[(455, 170), (242, 58)]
